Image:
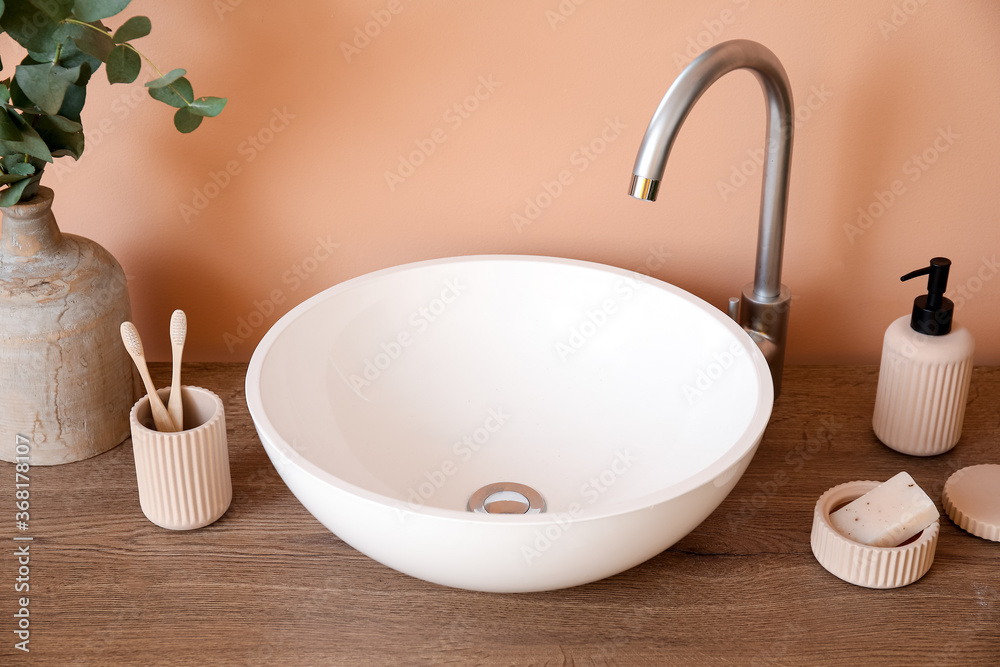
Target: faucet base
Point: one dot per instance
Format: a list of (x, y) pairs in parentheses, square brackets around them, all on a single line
[(766, 320)]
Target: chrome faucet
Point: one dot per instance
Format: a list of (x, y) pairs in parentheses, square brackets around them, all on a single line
[(762, 310)]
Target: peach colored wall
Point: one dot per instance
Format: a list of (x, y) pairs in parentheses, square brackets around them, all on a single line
[(311, 131)]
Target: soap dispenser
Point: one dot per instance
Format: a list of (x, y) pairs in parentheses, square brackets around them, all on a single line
[(923, 382)]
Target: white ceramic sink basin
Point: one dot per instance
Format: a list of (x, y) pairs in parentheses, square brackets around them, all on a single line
[(630, 406)]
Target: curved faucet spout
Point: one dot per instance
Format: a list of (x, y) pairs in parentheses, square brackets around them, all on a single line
[(764, 305)]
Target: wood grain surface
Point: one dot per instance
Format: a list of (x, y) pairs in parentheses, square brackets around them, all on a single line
[(268, 585)]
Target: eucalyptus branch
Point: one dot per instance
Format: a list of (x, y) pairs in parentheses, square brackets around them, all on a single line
[(139, 53), (159, 74), (41, 105)]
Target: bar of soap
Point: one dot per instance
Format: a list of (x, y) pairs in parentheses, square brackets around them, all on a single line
[(888, 515)]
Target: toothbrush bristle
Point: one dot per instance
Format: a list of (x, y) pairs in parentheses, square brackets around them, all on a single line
[(178, 327), (131, 338)]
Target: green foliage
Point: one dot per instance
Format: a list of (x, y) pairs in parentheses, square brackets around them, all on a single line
[(177, 93), (40, 105), (134, 28), (95, 10), (123, 64)]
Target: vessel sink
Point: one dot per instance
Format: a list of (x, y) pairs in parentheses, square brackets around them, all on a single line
[(508, 423)]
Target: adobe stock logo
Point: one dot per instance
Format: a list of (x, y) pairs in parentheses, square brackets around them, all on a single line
[(706, 377), (712, 31), (371, 30), (454, 116), (249, 150), (592, 490), (550, 190), (292, 278), (223, 7), (901, 14), (562, 12), (420, 320), (464, 449), (740, 175), (914, 169), (595, 319)]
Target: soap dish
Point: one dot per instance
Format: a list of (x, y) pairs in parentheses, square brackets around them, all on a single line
[(970, 499), (863, 565)]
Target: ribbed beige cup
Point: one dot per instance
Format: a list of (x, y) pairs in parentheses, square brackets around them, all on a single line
[(183, 477), (860, 564)]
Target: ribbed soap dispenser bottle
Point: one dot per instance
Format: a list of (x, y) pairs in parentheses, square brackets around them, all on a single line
[(926, 367)]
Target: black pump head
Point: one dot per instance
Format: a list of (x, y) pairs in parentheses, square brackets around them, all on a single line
[(932, 312)]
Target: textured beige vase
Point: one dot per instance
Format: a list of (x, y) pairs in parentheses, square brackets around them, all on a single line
[(66, 382), (183, 477)]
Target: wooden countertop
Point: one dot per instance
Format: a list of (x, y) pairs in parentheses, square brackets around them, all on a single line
[(267, 584)]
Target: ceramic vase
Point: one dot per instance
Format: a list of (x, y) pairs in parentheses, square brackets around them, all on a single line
[(66, 381)]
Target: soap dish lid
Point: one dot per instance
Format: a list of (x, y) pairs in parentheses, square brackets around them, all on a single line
[(861, 564), (972, 501)]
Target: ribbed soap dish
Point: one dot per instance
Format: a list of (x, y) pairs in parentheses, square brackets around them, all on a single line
[(863, 565)]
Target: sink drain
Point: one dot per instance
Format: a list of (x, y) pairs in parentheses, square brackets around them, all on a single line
[(506, 498)]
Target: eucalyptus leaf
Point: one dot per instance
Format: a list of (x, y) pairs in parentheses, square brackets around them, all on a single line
[(96, 44), (30, 27), (8, 130), (95, 10), (134, 28), (17, 96), (56, 10), (65, 124), (45, 84), (22, 168), (31, 189), (186, 121), (12, 194), (30, 60), (73, 103), (59, 141), (30, 143), (177, 94), (85, 72), (208, 106), (167, 78), (72, 55), (68, 30), (11, 178), (123, 65)]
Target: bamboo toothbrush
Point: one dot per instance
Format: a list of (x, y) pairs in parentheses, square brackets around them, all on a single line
[(134, 346), (178, 332)]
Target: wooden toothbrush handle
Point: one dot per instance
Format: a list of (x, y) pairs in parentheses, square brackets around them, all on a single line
[(161, 418), (175, 406)]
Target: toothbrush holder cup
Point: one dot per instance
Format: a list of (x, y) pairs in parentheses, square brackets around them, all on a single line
[(183, 477)]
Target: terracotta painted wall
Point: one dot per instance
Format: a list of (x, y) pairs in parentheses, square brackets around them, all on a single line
[(440, 131)]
